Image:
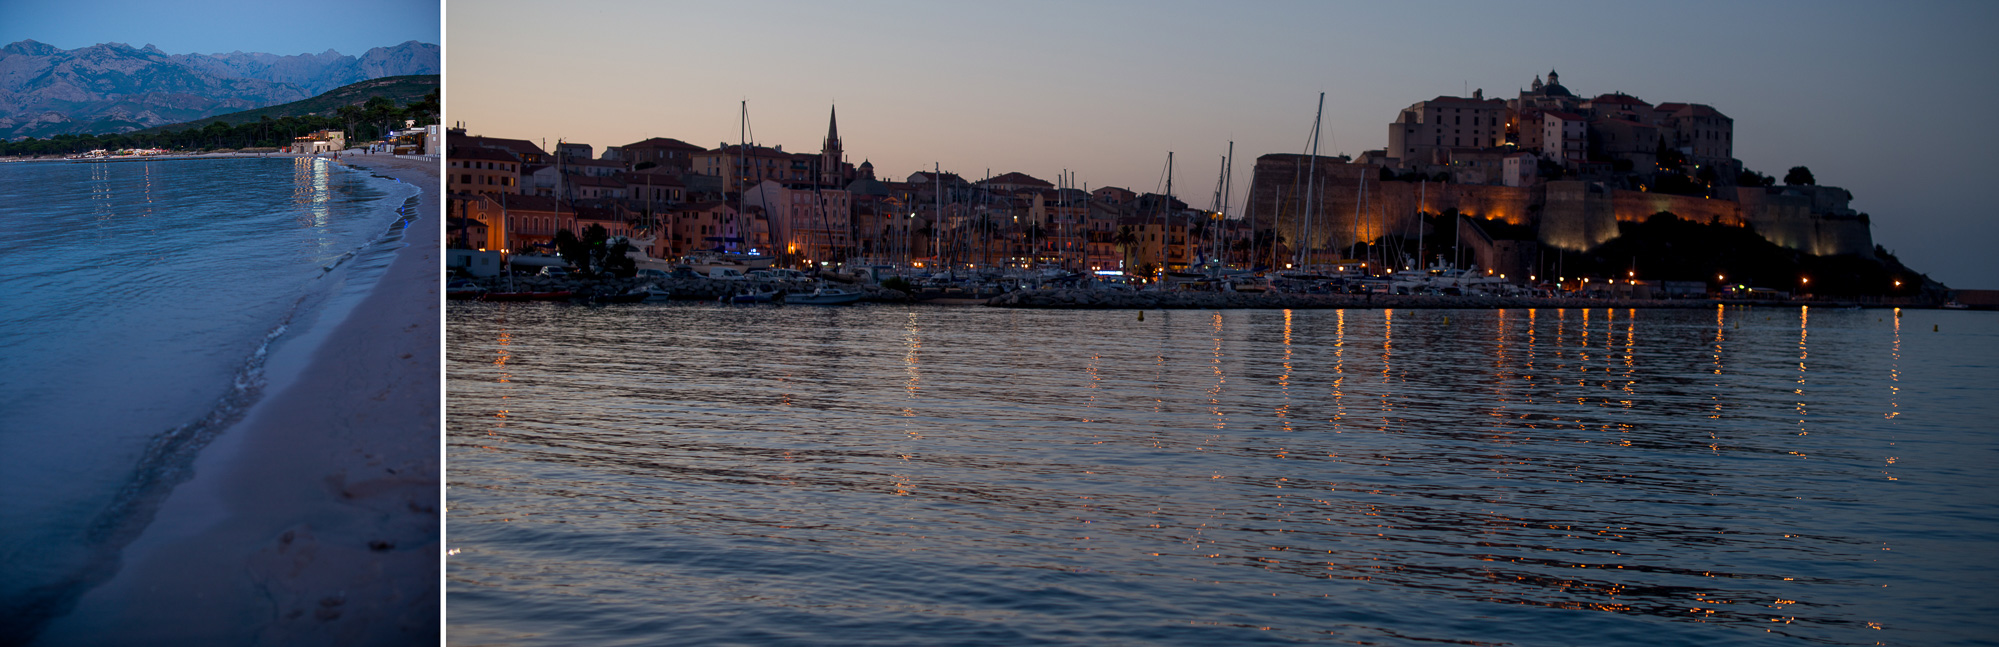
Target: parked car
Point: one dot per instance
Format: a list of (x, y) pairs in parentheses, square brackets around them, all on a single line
[(553, 272)]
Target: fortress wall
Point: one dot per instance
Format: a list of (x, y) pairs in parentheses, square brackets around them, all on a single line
[(1840, 234), (1572, 215), (1782, 219), (1636, 206), (1577, 216)]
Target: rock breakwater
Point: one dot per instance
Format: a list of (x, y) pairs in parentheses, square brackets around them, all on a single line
[(691, 289), (1111, 300)]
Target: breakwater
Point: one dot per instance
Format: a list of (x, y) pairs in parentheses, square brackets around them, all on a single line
[(1112, 300), (685, 288)]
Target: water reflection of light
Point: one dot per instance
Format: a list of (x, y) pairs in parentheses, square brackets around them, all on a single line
[(1339, 368), (1895, 369), (500, 362), (1215, 392), (1284, 378), (1720, 337), (1804, 318)]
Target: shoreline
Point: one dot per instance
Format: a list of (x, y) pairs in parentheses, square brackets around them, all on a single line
[(315, 518), (1105, 300)]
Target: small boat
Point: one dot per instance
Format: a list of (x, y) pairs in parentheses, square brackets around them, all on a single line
[(631, 296), (556, 295), (824, 296), (463, 290), (757, 294), (1954, 305), (655, 293)]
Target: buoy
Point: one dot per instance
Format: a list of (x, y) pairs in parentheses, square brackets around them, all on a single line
[(1447, 320), (1141, 315), (1933, 328)]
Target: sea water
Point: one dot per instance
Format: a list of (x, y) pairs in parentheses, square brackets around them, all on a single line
[(140, 301), (921, 475)]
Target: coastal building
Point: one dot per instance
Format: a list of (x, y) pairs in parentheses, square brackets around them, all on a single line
[(1564, 137), (742, 167), (1704, 135), (659, 152), (700, 226), (572, 151), (524, 151), (1629, 144), (1424, 129), (655, 188), (482, 170), (593, 187), (321, 141), (1520, 169), (809, 223)]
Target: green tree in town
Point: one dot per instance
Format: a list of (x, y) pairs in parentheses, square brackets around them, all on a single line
[(1799, 176)]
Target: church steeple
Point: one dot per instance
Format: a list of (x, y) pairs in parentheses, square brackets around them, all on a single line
[(832, 160), (833, 128)]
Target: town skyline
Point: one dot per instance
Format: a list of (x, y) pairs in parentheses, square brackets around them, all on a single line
[(1038, 92)]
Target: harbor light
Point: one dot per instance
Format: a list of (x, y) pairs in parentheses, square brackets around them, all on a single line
[(1898, 282)]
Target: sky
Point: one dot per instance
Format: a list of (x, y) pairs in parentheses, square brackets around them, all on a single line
[(1883, 99), (350, 27)]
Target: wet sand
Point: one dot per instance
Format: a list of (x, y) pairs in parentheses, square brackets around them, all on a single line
[(315, 520)]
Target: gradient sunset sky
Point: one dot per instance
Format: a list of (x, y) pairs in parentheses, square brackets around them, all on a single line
[(1878, 98), (222, 26)]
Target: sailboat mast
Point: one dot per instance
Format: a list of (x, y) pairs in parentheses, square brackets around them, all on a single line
[(1166, 219), (1311, 180), (1228, 177), (1422, 196)]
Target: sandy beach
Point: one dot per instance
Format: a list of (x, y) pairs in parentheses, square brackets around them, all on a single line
[(315, 520)]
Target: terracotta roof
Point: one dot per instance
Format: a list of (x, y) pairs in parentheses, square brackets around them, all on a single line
[(1483, 103), (753, 151), (596, 180), (1021, 179), (516, 146), (1697, 110), (1565, 116), (704, 206), (1623, 99), (663, 142), (486, 154)]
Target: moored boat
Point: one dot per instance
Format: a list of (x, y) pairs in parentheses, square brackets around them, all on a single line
[(826, 295), (554, 295)]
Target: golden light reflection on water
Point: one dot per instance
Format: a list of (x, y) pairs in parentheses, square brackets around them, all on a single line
[(1387, 365), (1804, 332), (1284, 379), (1221, 378), (501, 356), (1339, 368)]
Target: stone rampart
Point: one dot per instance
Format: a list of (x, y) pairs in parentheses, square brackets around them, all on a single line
[(1570, 215)]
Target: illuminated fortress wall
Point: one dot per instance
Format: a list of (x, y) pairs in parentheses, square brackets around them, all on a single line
[(1571, 215)]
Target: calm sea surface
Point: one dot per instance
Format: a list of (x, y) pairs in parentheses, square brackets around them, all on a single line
[(908, 475), (140, 301)]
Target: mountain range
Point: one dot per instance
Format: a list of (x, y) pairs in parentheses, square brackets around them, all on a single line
[(114, 87)]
